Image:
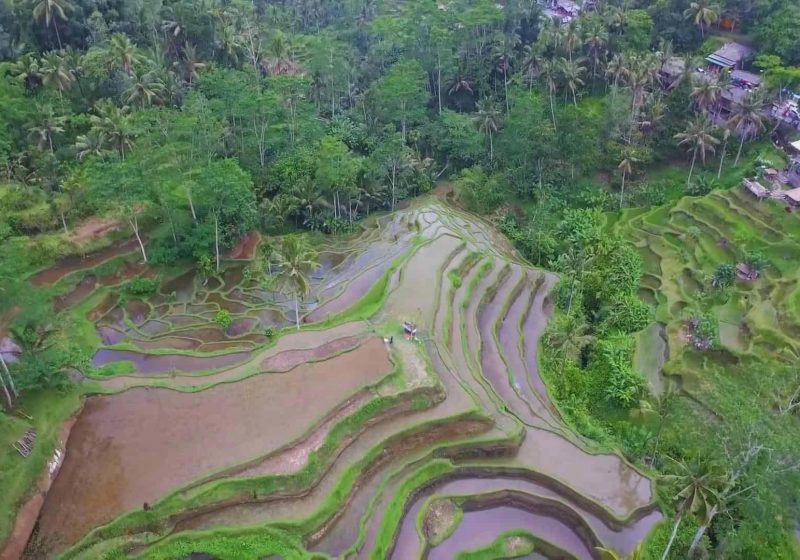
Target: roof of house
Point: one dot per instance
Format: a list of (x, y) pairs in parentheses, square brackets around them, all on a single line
[(730, 54), (746, 77), (793, 194), (674, 66), (796, 145)]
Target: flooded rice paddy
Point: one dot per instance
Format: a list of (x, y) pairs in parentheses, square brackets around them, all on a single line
[(253, 400)]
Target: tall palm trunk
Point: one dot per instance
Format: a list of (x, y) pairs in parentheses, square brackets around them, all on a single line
[(58, 35), (691, 169), (702, 531), (297, 309), (505, 88), (491, 147), (622, 191), (216, 238), (739, 153), (552, 109), (134, 222), (672, 536), (722, 158)]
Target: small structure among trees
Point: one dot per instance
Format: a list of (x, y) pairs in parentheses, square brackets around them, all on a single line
[(729, 56), (745, 272)]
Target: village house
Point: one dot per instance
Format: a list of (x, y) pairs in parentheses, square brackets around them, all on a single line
[(562, 10), (730, 56), (671, 71)]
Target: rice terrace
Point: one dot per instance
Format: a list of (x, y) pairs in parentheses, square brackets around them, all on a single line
[(336, 436), (399, 280)]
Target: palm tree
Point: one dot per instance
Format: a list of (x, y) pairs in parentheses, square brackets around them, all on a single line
[(90, 144), (726, 134), (112, 124), (296, 259), (699, 139), (706, 92), (572, 73), (50, 11), (747, 119), (503, 53), (487, 120), (190, 63), (26, 70), (550, 73), (571, 37), (618, 68), (124, 53), (54, 72), (696, 491), (306, 196), (531, 63), (45, 130), (144, 88), (281, 56), (568, 336), (702, 13), (596, 46), (626, 168)]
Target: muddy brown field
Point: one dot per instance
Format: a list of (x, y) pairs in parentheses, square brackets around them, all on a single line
[(134, 447)]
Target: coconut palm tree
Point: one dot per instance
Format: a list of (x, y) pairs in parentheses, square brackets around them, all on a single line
[(697, 487), (550, 75), (569, 334), (626, 168), (113, 125), (26, 70), (747, 119), (306, 196), (90, 144), (618, 69), (531, 63), (45, 130), (699, 140), (572, 74), (296, 260), (54, 72), (702, 13), (503, 54), (706, 92), (190, 64), (50, 11), (487, 120), (145, 88), (124, 53), (571, 38), (596, 43)]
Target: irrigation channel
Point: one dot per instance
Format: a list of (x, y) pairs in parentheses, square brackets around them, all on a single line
[(330, 434)]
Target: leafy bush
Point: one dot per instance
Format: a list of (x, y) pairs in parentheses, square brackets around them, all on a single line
[(723, 276), (455, 279), (142, 286), (478, 191), (223, 319)]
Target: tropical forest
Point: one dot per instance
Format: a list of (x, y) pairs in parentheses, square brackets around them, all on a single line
[(400, 279)]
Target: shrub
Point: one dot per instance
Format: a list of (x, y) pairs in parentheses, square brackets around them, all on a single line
[(223, 319), (142, 286), (455, 279)]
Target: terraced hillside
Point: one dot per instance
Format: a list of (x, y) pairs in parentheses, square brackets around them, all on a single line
[(682, 246), (332, 441)]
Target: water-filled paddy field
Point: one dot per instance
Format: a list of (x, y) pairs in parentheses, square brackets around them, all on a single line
[(330, 438)]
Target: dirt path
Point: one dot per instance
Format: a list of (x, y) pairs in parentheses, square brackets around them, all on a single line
[(134, 447)]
